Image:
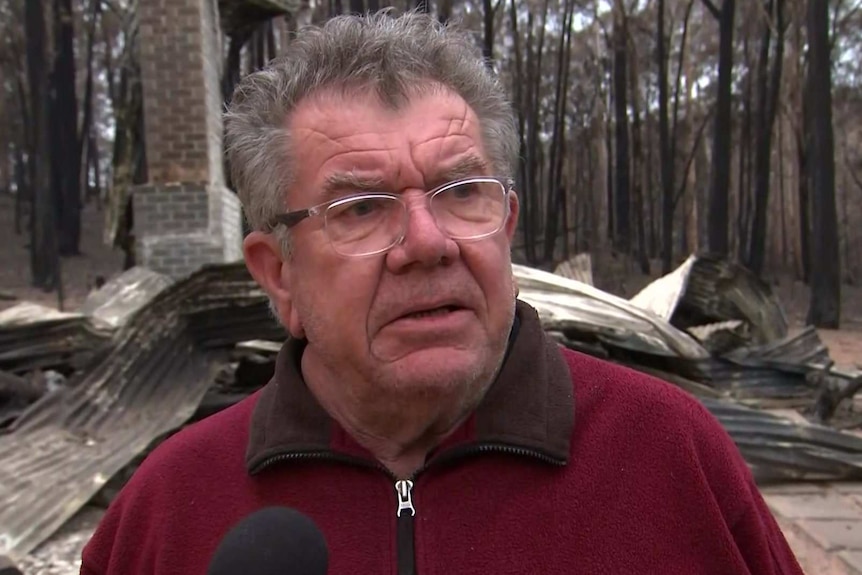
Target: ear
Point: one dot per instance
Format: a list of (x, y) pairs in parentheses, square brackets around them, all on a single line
[(514, 210), (265, 262)]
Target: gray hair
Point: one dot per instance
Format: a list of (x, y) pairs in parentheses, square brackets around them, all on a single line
[(394, 56)]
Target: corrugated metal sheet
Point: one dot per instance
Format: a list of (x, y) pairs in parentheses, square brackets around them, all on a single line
[(778, 449), (580, 310), (706, 290), (35, 337), (66, 446)]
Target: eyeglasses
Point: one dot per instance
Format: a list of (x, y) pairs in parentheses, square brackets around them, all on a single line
[(368, 224)]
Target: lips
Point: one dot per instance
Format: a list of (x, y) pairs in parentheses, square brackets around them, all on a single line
[(437, 311), (429, 310)]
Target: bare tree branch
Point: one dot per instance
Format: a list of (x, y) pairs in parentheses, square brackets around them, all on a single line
[(712, 9), (690, 159)]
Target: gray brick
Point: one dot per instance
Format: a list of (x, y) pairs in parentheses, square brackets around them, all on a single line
[(184, 226)]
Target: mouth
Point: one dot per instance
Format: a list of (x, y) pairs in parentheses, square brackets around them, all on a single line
[(438, 311)]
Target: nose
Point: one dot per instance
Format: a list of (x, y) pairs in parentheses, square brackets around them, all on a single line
[(424, 244)]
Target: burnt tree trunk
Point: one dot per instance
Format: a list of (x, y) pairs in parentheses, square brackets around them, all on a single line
[(518, 81), (744, 185), (86, 143), (825, 307), (665, 159), (641, 217), (556, 190), (66, 153), (622, 208), (721, 147), (488, 37), (43, 240), (769, 86), (804, 201), (534, 149)]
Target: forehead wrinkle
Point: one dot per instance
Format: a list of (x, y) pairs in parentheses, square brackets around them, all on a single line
[(469, 165), (454, 156)]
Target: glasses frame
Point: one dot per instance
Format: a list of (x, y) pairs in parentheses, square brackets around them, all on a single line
[(292, 218)]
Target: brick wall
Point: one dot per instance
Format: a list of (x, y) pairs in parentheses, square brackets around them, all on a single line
[(180, 227), (212, 63), (184, 216)]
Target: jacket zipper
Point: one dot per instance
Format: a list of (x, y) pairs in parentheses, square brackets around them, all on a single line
[(405, 512)]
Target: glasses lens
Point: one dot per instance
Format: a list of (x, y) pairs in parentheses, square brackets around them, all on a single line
[(365, 224), (471, 209)]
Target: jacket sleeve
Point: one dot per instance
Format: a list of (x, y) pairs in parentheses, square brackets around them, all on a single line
[(123, 541), (757, 536), (761, 541), (97, 551)]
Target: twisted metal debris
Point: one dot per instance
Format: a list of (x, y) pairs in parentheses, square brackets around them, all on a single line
[(144, 374)]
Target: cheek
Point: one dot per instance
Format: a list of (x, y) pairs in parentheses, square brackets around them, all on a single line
[(338, 292), (491, 268)]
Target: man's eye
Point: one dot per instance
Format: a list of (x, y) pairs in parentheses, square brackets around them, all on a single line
[(465, 191), (363, 208)]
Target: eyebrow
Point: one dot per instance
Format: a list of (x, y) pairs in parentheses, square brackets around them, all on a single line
[(336, 184), (470, 165)]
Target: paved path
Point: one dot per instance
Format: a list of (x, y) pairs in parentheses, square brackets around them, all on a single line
[(823, 523)]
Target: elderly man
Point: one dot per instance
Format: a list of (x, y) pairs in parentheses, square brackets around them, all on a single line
[(418, 414)]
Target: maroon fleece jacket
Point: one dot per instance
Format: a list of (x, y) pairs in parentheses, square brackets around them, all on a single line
[(570, 465)]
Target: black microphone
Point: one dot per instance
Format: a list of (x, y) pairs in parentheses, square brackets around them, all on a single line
[(272, 541)]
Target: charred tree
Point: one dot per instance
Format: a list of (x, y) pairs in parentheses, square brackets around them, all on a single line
[(804, 201), (825, 307), (518, 81), (44, 257), (641, 217), (665, 158), (720, 178), (769, 86), (87, 145), (744, 157), (488, 28), (556, 190), (532, 104), (65, 144), (129, 167), (622, 195)]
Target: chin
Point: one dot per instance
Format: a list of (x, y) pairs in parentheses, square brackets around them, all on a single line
[(442, 369)]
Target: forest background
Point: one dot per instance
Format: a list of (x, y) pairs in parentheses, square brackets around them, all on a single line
[(650, 129)]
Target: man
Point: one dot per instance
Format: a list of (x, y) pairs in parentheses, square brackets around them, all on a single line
[(419, 415)]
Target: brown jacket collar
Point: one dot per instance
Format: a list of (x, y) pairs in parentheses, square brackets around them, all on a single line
[(529, 406)]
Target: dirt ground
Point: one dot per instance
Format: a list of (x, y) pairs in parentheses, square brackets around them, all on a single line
[(79, 273), (98, 260)]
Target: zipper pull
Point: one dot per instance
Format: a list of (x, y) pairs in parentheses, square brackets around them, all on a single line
[(404, 488)]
